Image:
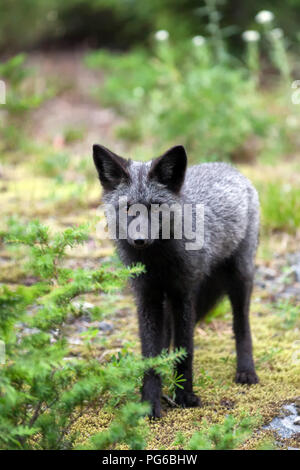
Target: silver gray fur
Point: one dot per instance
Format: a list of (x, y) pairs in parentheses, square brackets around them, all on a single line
[(179, 286)]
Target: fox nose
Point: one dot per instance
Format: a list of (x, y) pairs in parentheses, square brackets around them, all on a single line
[(140, 242)]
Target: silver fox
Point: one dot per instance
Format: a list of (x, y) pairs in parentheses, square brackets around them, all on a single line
[(180, 286)]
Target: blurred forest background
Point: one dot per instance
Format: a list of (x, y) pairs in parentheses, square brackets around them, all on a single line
[(125, 23), (223, 79)]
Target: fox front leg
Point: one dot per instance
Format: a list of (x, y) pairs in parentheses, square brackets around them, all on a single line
[(151, 327), (184, 320)]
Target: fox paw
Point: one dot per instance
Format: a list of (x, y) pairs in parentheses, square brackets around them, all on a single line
[(187, 399), (246, 377), (155, 407), (155, 412)]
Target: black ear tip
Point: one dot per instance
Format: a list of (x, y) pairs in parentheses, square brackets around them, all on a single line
[(96, 148), (177, 149), (98, 155), (181, 149)]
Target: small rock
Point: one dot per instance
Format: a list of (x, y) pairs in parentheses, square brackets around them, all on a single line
[(297, 421), (105, 326), (285, 424)]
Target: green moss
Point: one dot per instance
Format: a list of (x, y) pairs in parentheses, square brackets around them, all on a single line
[(214, 369)]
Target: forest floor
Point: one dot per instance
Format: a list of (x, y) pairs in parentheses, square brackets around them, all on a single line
[(30, 187)]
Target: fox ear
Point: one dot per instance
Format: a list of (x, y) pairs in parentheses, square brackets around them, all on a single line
[(169, 169), (111, 168)]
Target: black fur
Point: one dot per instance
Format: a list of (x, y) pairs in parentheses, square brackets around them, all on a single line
[(179, 287)]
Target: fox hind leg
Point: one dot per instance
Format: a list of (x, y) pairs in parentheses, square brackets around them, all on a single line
[(239, 285)]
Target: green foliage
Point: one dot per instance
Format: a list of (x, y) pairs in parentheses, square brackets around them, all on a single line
[(21, 98), (280, 206), (219, 311), (53, 164), (289, 314), (24, 22), (224, 436), (181, 93), (73, 135), (124, 429), (43, 388), (119, 22), (176, 381)]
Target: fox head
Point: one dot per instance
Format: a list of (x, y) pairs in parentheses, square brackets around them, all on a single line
[(139, 189)]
